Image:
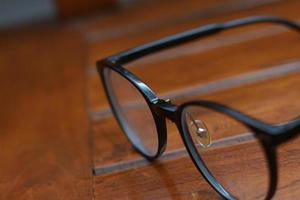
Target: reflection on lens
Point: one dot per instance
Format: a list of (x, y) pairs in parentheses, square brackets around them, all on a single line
[(133, 112), (199, 130), (230, 151)]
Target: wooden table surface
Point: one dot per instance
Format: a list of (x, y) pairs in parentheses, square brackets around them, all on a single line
[(57, 128)]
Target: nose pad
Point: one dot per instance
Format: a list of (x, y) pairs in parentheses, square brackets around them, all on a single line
[(199, 132)]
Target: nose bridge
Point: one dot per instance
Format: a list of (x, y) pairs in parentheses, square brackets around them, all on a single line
[(167, 109), (198, 130)]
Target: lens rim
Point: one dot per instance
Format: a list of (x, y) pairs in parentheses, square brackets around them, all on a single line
[(268, 148), (270, 136), (150, 98), (196, 158)]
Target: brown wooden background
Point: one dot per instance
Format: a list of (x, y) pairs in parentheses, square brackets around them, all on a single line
[(72, 8), (55, 122)]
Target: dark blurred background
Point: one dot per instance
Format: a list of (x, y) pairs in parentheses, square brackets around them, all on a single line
[(23, 12)]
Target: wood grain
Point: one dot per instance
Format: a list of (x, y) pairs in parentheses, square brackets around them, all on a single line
[(108, 47), (205, 67), (179, 179), (205, 57), (45, 146), (148, 15), (245, 69), (56, 126), (261, 100)]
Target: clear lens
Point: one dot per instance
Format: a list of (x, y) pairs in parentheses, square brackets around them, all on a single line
[(288, 155), (133, 112), (230, 151)]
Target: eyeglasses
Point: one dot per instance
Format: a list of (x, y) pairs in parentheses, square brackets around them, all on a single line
[(203, 125)]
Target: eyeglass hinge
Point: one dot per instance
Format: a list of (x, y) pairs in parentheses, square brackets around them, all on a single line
[(166, 108)]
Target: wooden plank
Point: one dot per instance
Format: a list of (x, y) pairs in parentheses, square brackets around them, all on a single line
[(264, 85), (45, 147), (288, 159), (106, 130), (264, 100), (149, 15), (45, 135), (200, 69), (108, 47), (203, 56), (179, 179)]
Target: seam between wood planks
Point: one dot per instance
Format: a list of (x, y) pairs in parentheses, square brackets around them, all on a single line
[(201, 46), (215, 86), (127, 165), (96, 36)]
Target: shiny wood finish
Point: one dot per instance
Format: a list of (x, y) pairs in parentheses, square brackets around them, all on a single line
[(56, 126), (209, 54), (44, 137), (208, 71), (242, 68)]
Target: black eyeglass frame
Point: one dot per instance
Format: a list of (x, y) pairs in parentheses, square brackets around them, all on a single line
[(270, 136)]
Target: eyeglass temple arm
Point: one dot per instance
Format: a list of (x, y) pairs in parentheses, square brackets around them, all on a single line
[(293, 127), (290, 128), (167, 42)]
